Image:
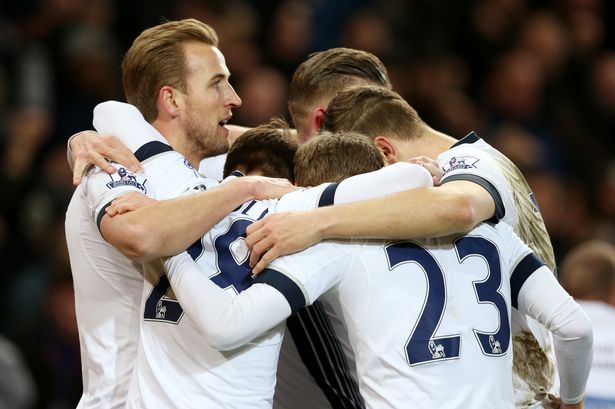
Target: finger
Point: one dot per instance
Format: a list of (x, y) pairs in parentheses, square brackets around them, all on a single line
[(128, 159), (111, 211), (254, 233), (78, 172), (264, 262), (259, 250)]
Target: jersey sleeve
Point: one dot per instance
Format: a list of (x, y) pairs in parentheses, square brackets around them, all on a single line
[(474, 165), (125, 122), (303, 277), (542, 298), (390, 179), (227, 321), (100, 188), (307, 198)]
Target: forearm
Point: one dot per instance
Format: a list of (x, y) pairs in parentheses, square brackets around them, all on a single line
[(169, 227), (417, 213), (227, 322), (542, 298)]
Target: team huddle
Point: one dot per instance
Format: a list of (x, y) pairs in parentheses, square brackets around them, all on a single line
[(207, 280)]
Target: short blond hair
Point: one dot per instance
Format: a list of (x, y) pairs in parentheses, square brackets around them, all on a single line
[(325, 73), (157, 58), (373, 111), (332, 157)]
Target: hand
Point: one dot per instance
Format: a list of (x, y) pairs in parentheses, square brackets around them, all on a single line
[(279, 234), (268, 188), (431, 165), (128, 202), (89, 147)]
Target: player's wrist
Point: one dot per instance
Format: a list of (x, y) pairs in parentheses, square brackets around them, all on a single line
[(324, 224)]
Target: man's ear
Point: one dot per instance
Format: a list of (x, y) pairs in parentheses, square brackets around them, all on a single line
[(316, 120), (388, 149), (168, 101)]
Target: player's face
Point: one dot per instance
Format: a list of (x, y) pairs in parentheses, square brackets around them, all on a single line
[(209, 101)]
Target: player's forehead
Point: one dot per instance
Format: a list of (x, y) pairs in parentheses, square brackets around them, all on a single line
[(205, 61)]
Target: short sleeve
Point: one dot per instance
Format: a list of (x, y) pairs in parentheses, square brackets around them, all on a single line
[(478, 166)]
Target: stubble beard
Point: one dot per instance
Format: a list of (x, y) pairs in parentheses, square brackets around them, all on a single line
[(206, 142)]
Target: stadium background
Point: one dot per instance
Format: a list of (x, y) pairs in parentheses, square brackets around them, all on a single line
[(534, 78)]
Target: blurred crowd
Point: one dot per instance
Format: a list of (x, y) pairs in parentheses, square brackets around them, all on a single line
[(534, 78)]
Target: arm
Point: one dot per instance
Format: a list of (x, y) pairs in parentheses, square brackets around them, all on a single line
[(170, 226), (228, 322), (543, 298), (454, 207), (88, 148)]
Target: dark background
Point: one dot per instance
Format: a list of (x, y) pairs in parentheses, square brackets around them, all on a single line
[(534, 78)]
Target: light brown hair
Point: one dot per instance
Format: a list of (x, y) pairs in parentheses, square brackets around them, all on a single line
[(588, 271), (332, 157), (157, 58), (325, 73), (268, 149), (373, 111)]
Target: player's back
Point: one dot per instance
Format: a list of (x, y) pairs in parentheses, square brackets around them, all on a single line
[(430, 322), (519, 210)]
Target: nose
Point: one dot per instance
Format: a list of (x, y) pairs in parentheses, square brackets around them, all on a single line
[(232, 99)]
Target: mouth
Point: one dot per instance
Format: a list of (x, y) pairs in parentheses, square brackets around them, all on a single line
[(224, 121)]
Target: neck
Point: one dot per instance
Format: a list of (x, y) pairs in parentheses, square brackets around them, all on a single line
[(430, 143), (177, 141)]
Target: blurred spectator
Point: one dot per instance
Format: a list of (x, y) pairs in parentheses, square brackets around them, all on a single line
[(16, 386), (588, 273)]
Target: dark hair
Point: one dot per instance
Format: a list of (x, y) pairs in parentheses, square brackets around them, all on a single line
[(268, 149)]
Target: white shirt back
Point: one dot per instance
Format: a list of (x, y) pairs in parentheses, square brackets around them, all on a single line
[(429, 328)]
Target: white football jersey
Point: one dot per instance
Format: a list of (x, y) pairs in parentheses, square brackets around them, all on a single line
[(108, 286), (429, 321), (108, 291), (473, 159)]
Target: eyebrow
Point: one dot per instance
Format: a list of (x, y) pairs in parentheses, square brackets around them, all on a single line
[(219, 76)]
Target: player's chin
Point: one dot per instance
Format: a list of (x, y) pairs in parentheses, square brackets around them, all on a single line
[(223, 131)]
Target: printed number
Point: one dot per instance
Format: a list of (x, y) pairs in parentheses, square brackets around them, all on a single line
[(159, 307), (423, 346), (233, 272)]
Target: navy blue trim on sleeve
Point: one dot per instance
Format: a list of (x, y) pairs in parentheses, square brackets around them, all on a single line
[(327, 198), (101, 214), (469, 138), (522, 272), (289, 289), (151, 149), (236, 173), (500, 211)]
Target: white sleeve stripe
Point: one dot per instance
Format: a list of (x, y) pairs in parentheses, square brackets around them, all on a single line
[(289, 289)]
